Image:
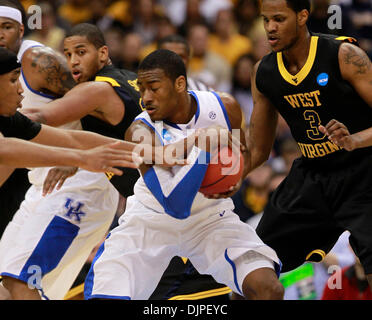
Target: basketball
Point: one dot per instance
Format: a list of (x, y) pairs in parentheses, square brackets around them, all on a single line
[(224, 171)]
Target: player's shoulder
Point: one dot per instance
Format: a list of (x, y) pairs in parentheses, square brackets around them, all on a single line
[(42, 54)]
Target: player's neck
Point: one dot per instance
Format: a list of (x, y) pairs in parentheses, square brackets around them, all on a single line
[(296, 56), (186, 111)]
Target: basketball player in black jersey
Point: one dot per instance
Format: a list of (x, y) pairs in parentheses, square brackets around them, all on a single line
[(321, 85)]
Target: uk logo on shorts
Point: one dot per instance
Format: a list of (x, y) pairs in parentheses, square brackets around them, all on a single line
[(322, 79), (74, 209)]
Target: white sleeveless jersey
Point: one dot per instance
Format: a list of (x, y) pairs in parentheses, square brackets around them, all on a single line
[(210, 111), (33, 98)]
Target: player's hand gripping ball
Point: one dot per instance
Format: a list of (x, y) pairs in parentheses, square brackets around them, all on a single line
[(224, 171)]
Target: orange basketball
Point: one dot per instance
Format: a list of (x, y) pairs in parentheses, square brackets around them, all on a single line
[(224, 171)]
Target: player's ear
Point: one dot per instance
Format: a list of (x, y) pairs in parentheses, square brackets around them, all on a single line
[(103, 53), (302, 17), (181, 84)]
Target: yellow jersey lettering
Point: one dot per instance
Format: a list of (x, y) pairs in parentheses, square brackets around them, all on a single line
[(317, 150), (306, 99)]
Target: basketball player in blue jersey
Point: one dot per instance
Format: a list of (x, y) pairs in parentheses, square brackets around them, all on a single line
[(322, 86), (167, 216), (181, 280), (86, 204)]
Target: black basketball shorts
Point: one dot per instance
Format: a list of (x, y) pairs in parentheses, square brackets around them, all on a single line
[(312, 207)]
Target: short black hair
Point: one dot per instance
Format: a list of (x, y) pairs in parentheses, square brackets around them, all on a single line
[(299, 5), (93, 34), (166, 60), (8, 61), (174, 38)]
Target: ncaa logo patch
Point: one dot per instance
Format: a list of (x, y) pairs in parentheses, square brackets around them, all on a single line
[(212, 115), (322, 79)]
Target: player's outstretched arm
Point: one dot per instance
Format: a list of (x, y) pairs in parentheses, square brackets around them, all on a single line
[(95, 98), (20, 153), (78, 139)]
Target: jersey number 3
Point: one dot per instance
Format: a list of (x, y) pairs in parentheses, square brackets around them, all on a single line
[(313, 121)]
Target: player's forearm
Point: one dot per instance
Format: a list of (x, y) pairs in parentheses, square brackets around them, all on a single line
[(19, 153), (77, 139), (363, 138)]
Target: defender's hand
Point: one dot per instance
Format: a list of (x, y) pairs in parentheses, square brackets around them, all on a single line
[(57, 176)]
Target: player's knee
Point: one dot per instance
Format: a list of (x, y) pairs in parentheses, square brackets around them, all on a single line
[(263, 284), (12, 284)]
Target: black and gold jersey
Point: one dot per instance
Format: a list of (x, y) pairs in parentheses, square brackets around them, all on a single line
[(124, 83), (314, 96)]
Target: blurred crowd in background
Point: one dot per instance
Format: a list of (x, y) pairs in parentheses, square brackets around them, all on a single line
[(226, 38)]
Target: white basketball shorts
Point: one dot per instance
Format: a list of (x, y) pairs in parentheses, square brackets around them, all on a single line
[(50, 238), (134, 256)]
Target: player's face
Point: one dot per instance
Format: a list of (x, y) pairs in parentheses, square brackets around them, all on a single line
[(158, 94), (178, 48), (83, 58), (10, 93), (280, 24), (11, 33)]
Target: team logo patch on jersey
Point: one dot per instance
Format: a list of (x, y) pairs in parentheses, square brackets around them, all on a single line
[(166, 135), (74, 209), (322, 79), (212, 115)]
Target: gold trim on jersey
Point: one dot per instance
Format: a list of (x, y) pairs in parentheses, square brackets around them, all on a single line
[(316, 251), (350, 39), (203, 294), (112, 81), (303, 73)]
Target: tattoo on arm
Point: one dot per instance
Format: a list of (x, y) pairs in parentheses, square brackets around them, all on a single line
[(53, 70), (358, 59)]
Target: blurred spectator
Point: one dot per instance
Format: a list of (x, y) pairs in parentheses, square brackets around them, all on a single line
[(354, 285), (75, 11), (210, 8), (193, 16), (131, 51), (121, 13), (164, 28), (225, 40), (249, 23), (360, 13), (114, 41), (288, 152), (179, 45), (50, 34), (100, 17), (253, 195), (206, 66), (145, 14), (241, 85)]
